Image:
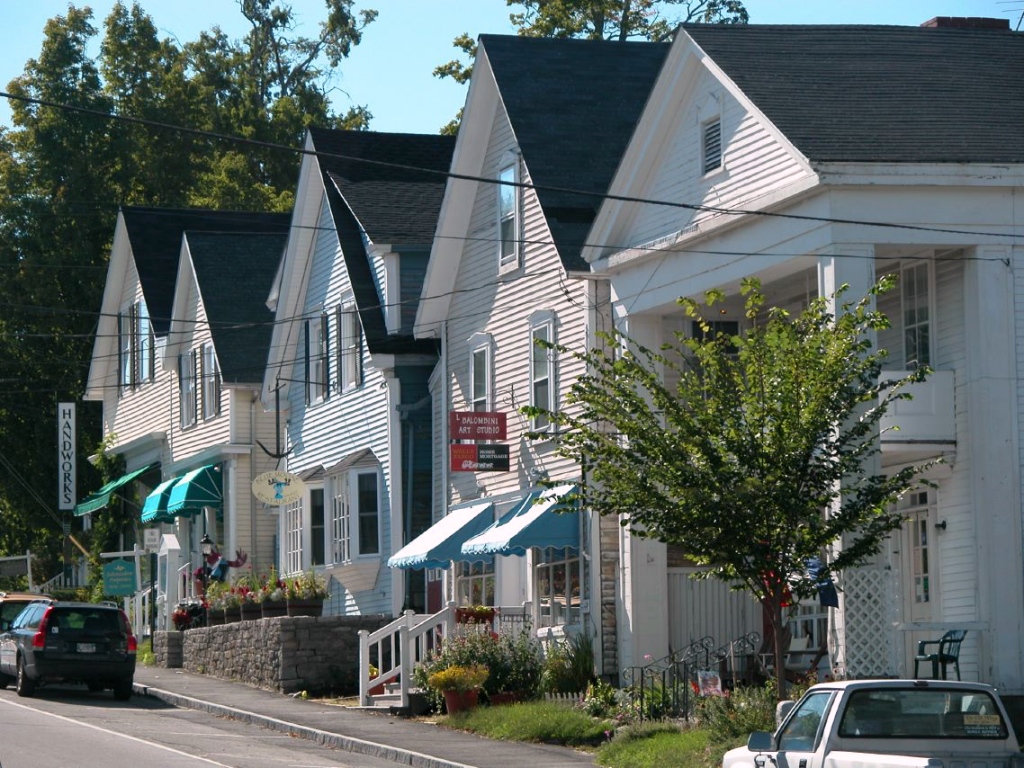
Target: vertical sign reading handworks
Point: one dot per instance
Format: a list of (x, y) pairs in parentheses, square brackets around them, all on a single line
[(66, 490)]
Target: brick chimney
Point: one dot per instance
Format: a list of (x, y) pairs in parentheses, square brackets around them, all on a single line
[(967, 22)]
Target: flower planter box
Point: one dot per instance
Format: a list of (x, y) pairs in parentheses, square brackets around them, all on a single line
[(215, 617), (313, 607), (233, 614), (474, 615), (251, 611), (274, 608)]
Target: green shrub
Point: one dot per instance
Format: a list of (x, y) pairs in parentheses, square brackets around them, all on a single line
[(743, 711), (514, 661), (569, 665)]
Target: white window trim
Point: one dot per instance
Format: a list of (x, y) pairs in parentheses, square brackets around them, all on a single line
[(906, 266), (706, 156), (512, 261), (708, 114), (571, 561), (350, 347), (146, 344), (317, 358), (187, 395), (211, 381), (543, 320), (293, 533), (341, 520), (354, 485), (481, 342)]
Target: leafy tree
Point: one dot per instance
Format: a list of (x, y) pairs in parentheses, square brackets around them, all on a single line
[(759, 459), (65, 170), (596, 20)]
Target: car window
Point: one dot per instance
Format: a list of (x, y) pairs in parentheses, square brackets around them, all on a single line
[(922, 713), (30, 617), (803, 727)]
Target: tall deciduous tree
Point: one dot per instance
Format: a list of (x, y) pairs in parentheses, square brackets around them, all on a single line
[(759, 460), (64, 173), (596, 20)]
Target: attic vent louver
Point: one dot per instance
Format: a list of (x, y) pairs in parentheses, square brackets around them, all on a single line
[(712, 146)]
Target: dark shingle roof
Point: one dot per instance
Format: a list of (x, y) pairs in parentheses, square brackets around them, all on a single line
[(573, 105), (373, 171), (878, 93), (234, 273), (155, 237)]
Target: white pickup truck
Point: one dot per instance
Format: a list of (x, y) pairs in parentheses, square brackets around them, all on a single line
[(897, 723)]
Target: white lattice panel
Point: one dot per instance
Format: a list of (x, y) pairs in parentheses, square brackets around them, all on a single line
[(866, 637)]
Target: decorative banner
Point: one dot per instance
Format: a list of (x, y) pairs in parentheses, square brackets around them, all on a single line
[(119, 578), (67, 491), (278, 488), (476, 425), (469, 457)]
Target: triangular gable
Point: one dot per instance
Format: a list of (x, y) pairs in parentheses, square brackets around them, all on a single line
[(104, 349), (663, 159)]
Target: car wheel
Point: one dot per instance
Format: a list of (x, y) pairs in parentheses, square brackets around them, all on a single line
[(123, 689), (25, 687)]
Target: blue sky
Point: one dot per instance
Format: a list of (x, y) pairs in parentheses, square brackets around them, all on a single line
[(390, 72)]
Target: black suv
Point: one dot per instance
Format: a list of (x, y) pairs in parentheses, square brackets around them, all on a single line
[(89, 643)]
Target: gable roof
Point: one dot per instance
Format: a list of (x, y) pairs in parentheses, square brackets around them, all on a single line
[(234, 273), (376, 175), (376, 193), (879, 93), (573, 105), (155, 238)]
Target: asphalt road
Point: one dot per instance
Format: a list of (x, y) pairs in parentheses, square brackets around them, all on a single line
[(67, 726)]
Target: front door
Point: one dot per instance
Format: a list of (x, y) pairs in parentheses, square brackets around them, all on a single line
[(918, 554)]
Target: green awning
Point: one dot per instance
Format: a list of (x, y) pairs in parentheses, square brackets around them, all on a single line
[(154, 509), (101, 498), (195, 490)]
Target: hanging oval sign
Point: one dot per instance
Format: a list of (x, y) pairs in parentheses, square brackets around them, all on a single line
[(278, 488)]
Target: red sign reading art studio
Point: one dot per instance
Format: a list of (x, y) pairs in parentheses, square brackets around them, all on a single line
[(476, 425)]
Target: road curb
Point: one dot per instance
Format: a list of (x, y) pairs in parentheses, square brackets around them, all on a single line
[(325, 738)]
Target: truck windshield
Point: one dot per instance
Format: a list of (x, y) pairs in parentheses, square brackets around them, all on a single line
[(925, 713)]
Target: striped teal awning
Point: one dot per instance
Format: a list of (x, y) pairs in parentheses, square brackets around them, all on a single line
[(195, 490)]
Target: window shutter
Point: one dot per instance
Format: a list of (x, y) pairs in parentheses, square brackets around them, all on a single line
[(120, 353), (305, 376), (358, 347), (195, 386), (181, 389), (325, 365)]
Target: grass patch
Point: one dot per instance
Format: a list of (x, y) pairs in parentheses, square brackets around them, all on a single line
[(537, 722), (144, 654), (653, 747)]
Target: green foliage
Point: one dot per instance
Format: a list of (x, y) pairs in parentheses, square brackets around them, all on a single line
[(600, 699), (759, 455), (144, 655), (569, 665), (620, 19), (513, 659), (740, 713), (534, 721), (654, 745)]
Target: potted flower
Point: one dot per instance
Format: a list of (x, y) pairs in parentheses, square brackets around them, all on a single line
[(460, 685), (272, 596), (475, 614), (246, 588), (181, 618), (306, 594), (215, 598)]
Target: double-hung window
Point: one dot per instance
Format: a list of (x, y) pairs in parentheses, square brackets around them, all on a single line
[(293, 537), (557, 573), (480, 356), (317, 370), (355, 514), (915, 294), (187, 364), (135, 347), (317, 532), (508, 212), (542, 367), (368, 510), (210, 377), (350, 347)]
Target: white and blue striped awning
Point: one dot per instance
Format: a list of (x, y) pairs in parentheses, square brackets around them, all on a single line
[(539, 520), (442, 543)]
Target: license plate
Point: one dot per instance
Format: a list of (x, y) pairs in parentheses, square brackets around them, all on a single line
[(87, 647)]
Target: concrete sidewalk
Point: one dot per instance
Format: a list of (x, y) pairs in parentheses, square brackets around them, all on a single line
[(393, 738)]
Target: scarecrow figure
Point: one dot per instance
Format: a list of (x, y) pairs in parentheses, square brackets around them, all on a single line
[(215, 567)]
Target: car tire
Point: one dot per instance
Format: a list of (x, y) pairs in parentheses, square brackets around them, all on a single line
[(25, 687), (123, 689)]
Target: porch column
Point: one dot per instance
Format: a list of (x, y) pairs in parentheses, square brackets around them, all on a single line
[(990, 444), (644, 610), (853, 264)]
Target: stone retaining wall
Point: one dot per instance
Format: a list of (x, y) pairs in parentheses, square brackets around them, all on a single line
[(287, 654)]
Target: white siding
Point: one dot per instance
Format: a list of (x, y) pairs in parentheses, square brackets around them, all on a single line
[(708, 608)]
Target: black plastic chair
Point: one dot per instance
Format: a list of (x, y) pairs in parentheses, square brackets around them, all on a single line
[(947, 653)]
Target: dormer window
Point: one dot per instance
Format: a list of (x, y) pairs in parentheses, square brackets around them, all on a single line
[(508, 212), (711, 144)]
